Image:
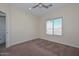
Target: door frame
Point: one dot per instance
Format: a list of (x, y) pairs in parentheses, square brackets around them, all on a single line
[(6, 28)]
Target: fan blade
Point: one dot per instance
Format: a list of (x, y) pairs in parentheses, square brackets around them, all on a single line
[(36, 5), (44, 6), (50, 5)]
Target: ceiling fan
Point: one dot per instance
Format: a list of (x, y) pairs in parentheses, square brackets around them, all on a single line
[(40, 5)]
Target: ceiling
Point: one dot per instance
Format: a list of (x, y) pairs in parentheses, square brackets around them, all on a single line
[(38, 11)]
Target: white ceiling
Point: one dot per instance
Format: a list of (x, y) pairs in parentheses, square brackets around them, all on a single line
[(38, 11)]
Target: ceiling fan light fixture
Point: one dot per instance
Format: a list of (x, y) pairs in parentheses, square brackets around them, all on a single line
[(30, 8), (40, 5)]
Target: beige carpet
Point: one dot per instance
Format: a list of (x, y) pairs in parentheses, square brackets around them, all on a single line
[(41, 47)]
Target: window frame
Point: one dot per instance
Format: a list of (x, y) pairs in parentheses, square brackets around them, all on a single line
[(53, 26)]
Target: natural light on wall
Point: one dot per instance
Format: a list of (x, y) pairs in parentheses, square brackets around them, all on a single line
[(54, 26)]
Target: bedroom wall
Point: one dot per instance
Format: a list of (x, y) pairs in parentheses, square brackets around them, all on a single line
[(70, 14), (20, 25), (23, 26)]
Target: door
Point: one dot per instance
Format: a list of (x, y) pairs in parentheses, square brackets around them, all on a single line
[(2, 30)]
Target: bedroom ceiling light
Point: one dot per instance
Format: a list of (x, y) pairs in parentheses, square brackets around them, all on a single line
[(41, 5), (30, 8)]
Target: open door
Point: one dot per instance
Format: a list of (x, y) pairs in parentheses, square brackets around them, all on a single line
[(2, 30)]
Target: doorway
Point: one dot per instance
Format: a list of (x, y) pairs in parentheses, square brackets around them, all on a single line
[(2, 30)]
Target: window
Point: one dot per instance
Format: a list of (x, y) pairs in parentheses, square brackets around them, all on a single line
[(49, 27), (54, 26)]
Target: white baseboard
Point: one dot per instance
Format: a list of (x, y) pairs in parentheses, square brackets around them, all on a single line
[(68, 44), (18, 42)]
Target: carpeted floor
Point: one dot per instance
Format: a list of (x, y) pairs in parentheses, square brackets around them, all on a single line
[(41, 47), (2, 45)]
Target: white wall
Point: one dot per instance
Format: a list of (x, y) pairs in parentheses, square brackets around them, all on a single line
[(20, 25), (23, 26), (70, 16)]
